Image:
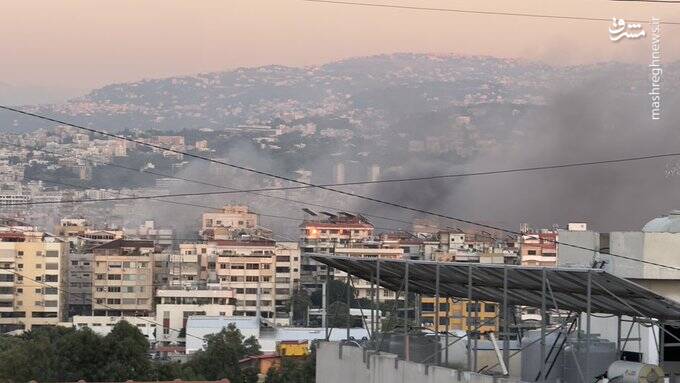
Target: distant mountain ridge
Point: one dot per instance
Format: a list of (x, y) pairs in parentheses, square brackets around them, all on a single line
[(392, 87)]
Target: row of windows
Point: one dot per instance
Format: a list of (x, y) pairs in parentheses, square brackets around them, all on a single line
[(48, 253), (121, 289), (123, 277), (124, 301)]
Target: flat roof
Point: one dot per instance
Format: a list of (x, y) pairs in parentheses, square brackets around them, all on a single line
[(566, 286)]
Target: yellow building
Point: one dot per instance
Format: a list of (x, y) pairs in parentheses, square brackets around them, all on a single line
[(456, 313), (33, 282)]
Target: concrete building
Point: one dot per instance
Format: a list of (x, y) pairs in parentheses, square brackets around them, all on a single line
[(362, 287), (173, 268), (175, 306), (264, 271), (219, 225), (80, 274), (459, 315), (325, 235), (539, 249), (33, 274), (123, 283), (149, 231)]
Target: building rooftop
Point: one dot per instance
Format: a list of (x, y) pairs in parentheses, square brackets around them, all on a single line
[(665, 224), (121, 243)]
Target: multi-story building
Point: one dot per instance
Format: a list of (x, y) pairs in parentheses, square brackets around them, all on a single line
[(123, 283), (149, 231), (263, 274), (362, 287), (539, 249), (460, 315), (33, 269), (80, 274), (173, 268), (319, 235), (174, 306), (222, 224)]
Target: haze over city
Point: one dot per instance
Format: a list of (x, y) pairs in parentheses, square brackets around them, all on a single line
[(300, 191)]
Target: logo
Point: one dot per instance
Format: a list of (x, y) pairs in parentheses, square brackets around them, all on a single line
[(620, 29)]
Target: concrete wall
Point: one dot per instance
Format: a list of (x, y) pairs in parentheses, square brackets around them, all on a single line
[(341, 364), (570, 256)]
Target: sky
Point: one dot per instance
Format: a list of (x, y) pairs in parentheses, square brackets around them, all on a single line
[(66, 47)]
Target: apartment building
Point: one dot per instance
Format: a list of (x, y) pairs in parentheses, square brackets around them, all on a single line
[(221, 225), (173, 268), (262, 273), (362, 287), (149, 231), (459, 315), (326, 235), (80, 274), (539, 249), (33, 269), (123, 283), (174, 306)]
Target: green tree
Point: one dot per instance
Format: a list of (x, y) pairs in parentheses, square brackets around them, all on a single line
[(338, 314), (252, 346), (299, 303), (127, 353), (80, 355), (221, 356)]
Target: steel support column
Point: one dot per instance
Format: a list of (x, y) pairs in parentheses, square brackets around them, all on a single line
[(436, 306), (506, 318), (469, 319), (407, 345), (589, 288), (543, 315)]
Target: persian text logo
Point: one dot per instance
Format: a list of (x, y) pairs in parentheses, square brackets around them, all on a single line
[(620, 29)]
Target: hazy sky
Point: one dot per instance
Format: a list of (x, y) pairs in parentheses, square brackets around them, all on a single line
[(83, 44)]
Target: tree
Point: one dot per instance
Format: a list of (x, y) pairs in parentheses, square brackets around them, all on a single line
[(127, 353), (220, 359), (252, 346), (337, 292), (299, 303), (338, 314), (80, 355)]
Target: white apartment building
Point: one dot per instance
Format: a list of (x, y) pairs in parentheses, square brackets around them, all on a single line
[(219, 225), (263, 274), (175, 306)]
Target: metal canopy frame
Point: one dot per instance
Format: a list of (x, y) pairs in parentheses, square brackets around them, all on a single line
[(575, 289)]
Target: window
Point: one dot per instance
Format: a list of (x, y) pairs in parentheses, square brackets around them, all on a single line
[(113, 301), (52, 266), (282, 258), (51, 291), (113, 289), (74, 263), (252, 266), (427, 306), (443, 321), (20, 266), (489, 308), (252, 278), (531, 252), (266, 266), (237, 266), (283, 269), (51, 278), (101, 277), (51, 253), (129, 301), (114, 277), (38, 266), (20, 253)]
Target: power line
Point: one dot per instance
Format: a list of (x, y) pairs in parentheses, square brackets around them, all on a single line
[(350, 194), (475, 12)]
